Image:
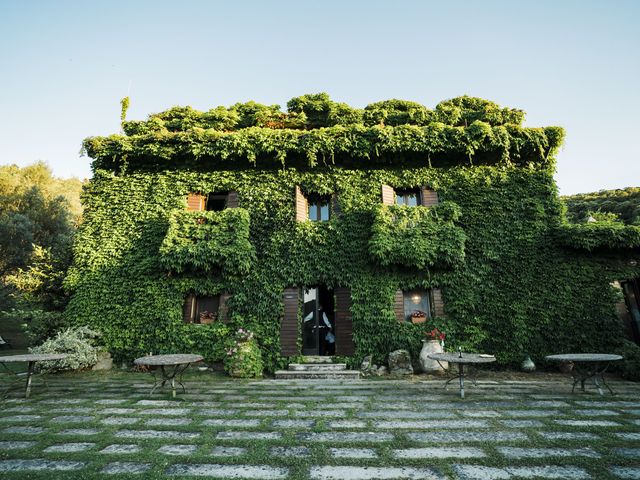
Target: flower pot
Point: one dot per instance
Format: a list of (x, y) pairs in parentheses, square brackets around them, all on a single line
[(206, 321), (428, 365), (418, 319)]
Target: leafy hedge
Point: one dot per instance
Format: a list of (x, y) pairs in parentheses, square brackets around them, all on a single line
[(417, 237), (624, 203), (599, 235), (208, 241)]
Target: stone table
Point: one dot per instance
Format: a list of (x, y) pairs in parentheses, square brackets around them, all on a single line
[(461, 359), (179, 361), (587, 366), (32, 359)]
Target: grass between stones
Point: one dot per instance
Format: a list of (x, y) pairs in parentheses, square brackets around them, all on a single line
[(106, 425)]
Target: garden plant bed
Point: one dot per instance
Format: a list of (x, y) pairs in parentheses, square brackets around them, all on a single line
[(88, 425)]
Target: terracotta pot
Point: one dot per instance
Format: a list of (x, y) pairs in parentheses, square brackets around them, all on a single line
[(418, 319)]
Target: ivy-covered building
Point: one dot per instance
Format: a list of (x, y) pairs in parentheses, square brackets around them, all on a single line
[(369, 225)]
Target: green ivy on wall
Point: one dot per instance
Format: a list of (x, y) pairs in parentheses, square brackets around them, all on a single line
[(510, 286)]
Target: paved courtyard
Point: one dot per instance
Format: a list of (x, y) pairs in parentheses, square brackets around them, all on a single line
[(92, 426)]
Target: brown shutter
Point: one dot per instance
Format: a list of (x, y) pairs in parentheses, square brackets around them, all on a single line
[(398, 305), (429, 197), (336, 209), (343, 322), (438, 303), (188, 309), (301, 206), (232, 200), (388, 195), (289, 323), (196, 202), (222, 308)]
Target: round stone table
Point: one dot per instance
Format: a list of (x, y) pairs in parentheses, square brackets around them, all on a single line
[(587, 366), (170, 366), (32, 359), (461, 359)]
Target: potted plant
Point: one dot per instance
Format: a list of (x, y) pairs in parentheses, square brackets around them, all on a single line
[(207, 317), (433, 342)]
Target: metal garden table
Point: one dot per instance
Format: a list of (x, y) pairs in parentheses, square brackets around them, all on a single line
[(32, 359), (171, 366), (587, 366), (462, 359)]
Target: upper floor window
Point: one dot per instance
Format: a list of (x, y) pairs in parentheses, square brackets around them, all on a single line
[(216, 202), (408, 197), (318, 208)]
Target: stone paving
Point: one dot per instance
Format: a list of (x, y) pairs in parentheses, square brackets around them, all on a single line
[(100, 427)]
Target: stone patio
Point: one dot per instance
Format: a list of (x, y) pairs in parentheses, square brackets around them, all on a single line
[(392, 429)]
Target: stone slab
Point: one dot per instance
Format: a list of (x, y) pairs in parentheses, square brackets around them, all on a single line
[(373, 473), (156, 434), (516, 452), (235, 423), (628, 435), (119, 420), (18, 465), (168, 421), (627, 452), (431, 424), (24, 430), (248, 435), (439, 452), (178, 449), (568, 436), (347, 424), (72, 419), (118, 411), (20, 418), (626, 473), (320, 413), (69, 447), (165, 411), (370, 437), (588, 423), (118, 468), (353, 453), (228, 451), (406, 414), (521, 423), (9, 445), (295, 452), (478, 472), (257, 472), (293, 423), (266, 413), (121, 448), (443, 436), (81, 432)]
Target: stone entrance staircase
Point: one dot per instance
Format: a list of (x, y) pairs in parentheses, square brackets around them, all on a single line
[(317, 368)]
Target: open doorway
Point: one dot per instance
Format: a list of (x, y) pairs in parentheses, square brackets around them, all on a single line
[(318, 322)]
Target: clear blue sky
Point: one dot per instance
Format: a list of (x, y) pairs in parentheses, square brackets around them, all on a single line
[(64, 65)]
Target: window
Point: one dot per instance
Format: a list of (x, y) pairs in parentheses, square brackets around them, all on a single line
[(216, 202), (201, 309), (417, 303), (318, 209), (410, 197)]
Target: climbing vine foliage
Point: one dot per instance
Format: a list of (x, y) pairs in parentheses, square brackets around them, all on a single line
[(510, 286)]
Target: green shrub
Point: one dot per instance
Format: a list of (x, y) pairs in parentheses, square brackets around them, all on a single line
[(243, 358), (630, 366), (77, 343)]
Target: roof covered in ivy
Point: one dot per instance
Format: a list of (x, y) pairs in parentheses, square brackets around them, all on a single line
[(317, 131)]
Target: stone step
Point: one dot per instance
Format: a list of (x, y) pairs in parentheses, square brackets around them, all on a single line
[(317, 359), (317, 367), (311, 375)]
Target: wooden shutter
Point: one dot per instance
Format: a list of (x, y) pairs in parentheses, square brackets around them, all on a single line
[(438, 303), (336, 210), (222, 308), (196, 202), (343, 322), (428, 197), (232, 200), (388, 195), (289, 323), (301, 206), (188, 309), (398, 305)]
